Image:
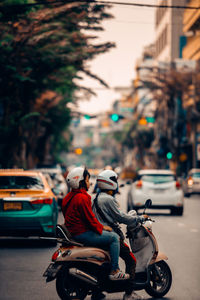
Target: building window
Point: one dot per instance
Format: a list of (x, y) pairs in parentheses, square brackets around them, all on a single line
[(160, 12), (162, 41)]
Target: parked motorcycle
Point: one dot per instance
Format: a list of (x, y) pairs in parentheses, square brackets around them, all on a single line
[(80, 271)]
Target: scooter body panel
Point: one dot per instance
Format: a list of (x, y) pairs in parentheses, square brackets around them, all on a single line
[(160, 256), (94, 255), (144, 247)]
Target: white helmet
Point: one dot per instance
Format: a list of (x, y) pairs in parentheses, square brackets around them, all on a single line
[(74, 177), (107, 180)]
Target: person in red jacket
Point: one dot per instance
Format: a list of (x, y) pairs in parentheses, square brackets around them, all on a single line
[(82, 223)]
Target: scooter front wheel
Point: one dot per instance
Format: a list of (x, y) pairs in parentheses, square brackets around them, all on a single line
[(160, 280), (67, 288)]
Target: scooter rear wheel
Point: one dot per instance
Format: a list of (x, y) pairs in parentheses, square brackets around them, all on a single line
[(160, 280), (67, 288)]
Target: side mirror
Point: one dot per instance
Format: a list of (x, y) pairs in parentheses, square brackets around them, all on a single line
[(148, 203)]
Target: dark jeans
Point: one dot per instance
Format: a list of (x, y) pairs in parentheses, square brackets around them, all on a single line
[(107, 239), (130, 262), (129, 258)]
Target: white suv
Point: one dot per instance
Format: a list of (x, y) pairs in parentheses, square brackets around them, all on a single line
[(161, 187)]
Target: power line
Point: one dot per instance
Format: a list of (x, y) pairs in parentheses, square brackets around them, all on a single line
[(99, 1), (147, 5), (141, 22)]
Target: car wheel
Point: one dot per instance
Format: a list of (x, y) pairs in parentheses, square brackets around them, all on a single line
[(177, 211), (173, 211), (187, 195)]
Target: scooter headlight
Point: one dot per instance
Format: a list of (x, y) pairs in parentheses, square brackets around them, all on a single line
[(148, 224)]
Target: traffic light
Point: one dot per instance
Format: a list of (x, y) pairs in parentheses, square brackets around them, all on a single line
[(87, 117), (142, 121), (115, 117), (78, 151), (150, 119), (169, 155)]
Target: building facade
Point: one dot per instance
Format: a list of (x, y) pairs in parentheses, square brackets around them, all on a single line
[(191, 28), (168, 30)]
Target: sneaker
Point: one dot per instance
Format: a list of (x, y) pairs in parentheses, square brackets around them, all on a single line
[(119, 276), (132, 296)]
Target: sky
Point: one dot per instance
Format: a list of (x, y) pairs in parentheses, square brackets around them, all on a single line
[(131, 29)]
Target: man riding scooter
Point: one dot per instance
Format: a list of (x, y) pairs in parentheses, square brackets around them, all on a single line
[(106, 209), (83, 225)]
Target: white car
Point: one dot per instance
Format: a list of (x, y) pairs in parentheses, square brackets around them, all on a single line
[(192, 183), (161, 187)]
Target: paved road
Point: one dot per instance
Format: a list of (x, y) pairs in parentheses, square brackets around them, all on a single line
[(23, 261)]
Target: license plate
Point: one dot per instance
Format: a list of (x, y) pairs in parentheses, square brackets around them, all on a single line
[(159, 190), (52, 270), (12, 206)]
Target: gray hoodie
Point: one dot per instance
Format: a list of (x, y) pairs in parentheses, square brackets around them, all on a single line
[(110, 208)]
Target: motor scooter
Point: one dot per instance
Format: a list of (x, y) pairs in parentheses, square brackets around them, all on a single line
[(80, 271)]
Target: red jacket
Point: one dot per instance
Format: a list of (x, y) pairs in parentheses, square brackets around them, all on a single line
[(79, 216)]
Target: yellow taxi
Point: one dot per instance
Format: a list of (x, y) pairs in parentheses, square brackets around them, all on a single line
[(28, 207)]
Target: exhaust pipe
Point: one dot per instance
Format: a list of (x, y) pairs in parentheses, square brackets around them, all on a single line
[(83, 276)]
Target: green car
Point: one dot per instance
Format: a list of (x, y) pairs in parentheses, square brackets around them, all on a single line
[(28, 206)]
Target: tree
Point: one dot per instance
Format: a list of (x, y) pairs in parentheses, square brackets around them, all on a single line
[(133, 136), (43, 51), (170, 87)]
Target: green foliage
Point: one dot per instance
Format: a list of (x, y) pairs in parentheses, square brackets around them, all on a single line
[(42, 50), (138, 136)]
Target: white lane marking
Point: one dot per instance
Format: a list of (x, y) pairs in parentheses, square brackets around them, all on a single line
[(194, 230), (181, 225)]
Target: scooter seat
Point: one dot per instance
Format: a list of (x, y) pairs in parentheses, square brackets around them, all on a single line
[(63, 233)]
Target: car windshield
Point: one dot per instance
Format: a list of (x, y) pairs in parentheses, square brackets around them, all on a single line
[(196, 175), (21, 182), (157, 178)]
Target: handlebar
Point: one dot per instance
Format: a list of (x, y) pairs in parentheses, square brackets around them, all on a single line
[(148, 219)]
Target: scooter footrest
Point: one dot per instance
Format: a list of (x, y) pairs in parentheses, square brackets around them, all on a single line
[(140, 277)]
